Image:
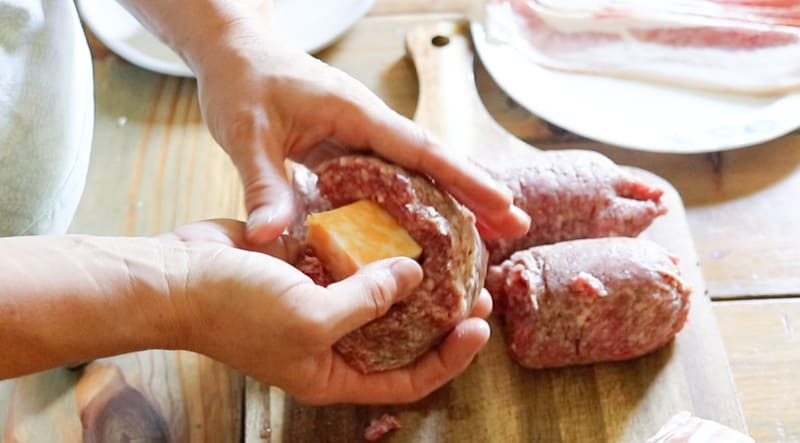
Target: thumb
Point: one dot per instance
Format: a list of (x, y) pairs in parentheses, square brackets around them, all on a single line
[(268, 197), (369, 293)]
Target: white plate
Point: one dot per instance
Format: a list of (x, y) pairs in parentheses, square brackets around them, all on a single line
[(312, 24), (638, 115)]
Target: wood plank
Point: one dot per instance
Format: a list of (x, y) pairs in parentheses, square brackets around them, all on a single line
[(497, 400), (159, 396), (763, 343)]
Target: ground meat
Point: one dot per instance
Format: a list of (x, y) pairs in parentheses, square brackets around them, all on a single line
[(570, 195), (310, 265), (380, 426), (587, 301), (453, 259)]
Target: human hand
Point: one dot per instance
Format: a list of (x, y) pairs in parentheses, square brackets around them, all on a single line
[(265, 100), (264, 317)]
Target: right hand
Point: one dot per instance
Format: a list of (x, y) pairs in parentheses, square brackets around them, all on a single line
[(264, 317), (265, 100)]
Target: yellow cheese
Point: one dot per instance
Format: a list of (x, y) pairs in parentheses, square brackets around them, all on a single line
[(351, 236)]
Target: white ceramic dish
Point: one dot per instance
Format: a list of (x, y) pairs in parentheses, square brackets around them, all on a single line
[(637, 115), (312, 24)]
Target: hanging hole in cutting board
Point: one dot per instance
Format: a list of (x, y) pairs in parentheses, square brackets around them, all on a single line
[(440, 40)]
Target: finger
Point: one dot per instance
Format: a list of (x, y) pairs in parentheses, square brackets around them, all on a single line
[(285, 247), (369, 293), (514, 217), (485, 231), (409, 384), (483, 306), (268, 199), (227, 232), (399, 139), (232, 233), (323, 151)]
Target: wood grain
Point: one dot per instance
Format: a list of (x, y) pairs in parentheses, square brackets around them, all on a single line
[(153, 395), (763, 343), (154, 165), (495, 399)]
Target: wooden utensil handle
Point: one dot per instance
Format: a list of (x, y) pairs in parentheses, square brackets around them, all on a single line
[(449, 104)]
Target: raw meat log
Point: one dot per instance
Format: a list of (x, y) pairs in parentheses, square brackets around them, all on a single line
[(726, 45), (453, 258), (571, 195), (588, 301)]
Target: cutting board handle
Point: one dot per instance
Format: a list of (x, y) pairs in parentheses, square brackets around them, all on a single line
[(449, 105)]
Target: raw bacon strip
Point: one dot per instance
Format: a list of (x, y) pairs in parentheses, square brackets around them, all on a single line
[(572, 194), (774, 12), (702, 43), (588, 301), (779, 12)]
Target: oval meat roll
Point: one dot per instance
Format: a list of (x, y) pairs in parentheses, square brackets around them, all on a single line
[(588, 301), (571, 194), (451, 253)]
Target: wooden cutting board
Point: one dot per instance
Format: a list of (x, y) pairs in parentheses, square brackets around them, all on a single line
[(495, 399)]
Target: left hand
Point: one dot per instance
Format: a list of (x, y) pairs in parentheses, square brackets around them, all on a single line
[(266, 318), (265, 100)]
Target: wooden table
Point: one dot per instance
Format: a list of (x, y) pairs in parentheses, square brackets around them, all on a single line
[(154, 166)]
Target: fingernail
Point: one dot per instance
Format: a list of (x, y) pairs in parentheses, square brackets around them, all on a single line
[(257, 218), (408, 273), (516, 223), (267, 215), (505, 190), (485, 329), (521, 215), (494, 184)]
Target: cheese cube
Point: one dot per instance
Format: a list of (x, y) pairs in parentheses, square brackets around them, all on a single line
[(351, 236)]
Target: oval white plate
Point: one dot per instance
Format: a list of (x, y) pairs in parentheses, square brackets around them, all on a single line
[(312, 24), (637, 115)]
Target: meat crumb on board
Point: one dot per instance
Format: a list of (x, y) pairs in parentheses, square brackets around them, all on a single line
[(381, 426)]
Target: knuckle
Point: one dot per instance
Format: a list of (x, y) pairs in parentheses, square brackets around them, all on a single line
[(379, 295), (244, 125), (258, 191), (241, 126)]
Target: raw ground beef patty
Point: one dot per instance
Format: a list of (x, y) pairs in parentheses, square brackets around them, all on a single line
[(588, 301), (571, 194), (453, 257)]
